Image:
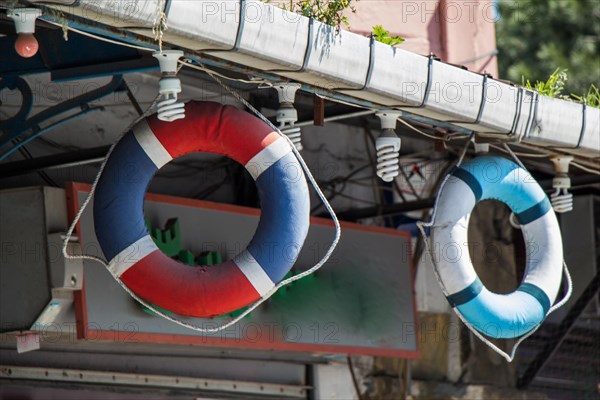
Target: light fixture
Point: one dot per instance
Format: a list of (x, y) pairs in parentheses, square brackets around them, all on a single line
[(24, 18), (561, 199), (287, 115), (388, 146), (169, 86)]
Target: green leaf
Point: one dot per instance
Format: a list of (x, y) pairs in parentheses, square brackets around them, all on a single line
[(383, 35)]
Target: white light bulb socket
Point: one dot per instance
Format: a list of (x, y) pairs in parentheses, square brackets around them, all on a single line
[(561, 167), (561, 163), (24, 19), (286, 91), (167, 60), (388, 118), (481, 148)]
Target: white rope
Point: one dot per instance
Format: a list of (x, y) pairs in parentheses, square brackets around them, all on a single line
[(93, 189), (422, 225), (514, 156), (463, 153), (159, 25), (268, 294)]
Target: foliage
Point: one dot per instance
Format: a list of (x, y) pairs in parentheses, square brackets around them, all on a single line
[(382, 35), (330, 12), (552, 87), (537, 36), (591, 98)]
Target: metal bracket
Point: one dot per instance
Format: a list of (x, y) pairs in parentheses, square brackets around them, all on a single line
[(238, 33), (19, 125), (423, 103), (307, 51), (369, 69), (510, 136)]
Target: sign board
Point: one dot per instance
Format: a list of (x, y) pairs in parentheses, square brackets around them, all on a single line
[(360, 302)]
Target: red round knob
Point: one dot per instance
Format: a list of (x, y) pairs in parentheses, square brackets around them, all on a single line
[(26, 45)]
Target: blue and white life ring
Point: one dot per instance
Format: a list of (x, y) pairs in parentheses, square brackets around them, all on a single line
[(201, 291), (497, 315)]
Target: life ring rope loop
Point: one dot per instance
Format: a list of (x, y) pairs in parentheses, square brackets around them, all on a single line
[(253, 306), (199, 291), (520, 313), (499, 316)]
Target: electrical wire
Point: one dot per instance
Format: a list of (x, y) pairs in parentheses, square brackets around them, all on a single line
[(205, 192), (410, 126), (28, 156), (193, 66), (407, 124), (323, 149), (584, 168), (446, 138), (94, 36), (531, 155), (508, 150), (159, 25), (188, 62), (57, 145), (547, 153), (414, 128), (357, 199), (358, 182), (337, 180)]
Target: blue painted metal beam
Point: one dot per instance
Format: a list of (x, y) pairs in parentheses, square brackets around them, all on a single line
[(17, 127)]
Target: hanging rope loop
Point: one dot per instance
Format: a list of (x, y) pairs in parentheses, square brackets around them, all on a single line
[(519, 314)]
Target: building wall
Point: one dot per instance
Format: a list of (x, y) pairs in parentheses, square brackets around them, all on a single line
[(458, 31)]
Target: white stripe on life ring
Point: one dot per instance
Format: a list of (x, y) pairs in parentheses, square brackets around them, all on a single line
[(267, 157), (150, 144), (450, 238), (254, 272), (543, 244), (130, 255)]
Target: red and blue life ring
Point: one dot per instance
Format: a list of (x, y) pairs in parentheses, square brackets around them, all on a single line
[(192, 290)]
